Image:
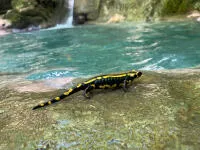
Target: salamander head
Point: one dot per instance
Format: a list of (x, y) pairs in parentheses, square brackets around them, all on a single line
[(139, 74), (135, 74)]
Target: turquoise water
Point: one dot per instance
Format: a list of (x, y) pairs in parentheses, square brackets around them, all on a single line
[(94, 49)]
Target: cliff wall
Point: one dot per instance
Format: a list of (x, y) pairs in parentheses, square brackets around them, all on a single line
[(46, 13)]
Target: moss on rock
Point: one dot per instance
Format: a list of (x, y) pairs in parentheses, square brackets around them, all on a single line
[(36, 12), (140, 10), (49, 12), (171, 7)]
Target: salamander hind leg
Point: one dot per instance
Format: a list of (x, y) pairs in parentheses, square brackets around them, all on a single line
[(86, 91)]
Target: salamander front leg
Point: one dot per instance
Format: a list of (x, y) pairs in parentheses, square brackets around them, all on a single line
[(86, 91), (125, 86)]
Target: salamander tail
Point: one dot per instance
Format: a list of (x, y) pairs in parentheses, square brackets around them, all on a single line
[(43, 104), (57, 99)]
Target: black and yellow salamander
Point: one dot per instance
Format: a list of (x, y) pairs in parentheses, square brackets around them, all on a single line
[(120, 80)]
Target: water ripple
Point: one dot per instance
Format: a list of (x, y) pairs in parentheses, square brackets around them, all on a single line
[(101, 49)]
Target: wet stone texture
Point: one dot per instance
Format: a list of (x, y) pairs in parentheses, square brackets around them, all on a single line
[(160, 111)]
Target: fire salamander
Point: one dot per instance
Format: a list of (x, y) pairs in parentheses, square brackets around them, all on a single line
[(120, 80)]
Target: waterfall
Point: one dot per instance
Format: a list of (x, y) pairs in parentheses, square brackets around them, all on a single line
[(69, 5), (70, 13)]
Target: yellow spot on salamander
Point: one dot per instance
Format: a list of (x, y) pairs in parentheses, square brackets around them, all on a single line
[(114, 76), (42, 104), (79, 85), (114, 85), (102, 86), (66, 93), (89, 81), (98, 78), (93, 85), (121, 84), (57, 98), (132, 74), (49, 102), (106, 77), (108, 86), (69, 91)]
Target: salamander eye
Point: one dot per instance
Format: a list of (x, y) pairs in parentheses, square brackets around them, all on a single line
[(139, 74)]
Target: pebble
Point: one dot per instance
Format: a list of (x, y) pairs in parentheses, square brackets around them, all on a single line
[(2, 111)]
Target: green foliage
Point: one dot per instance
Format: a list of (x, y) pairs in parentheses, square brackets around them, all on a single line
[(18, 4), (13, 15), (148, 9), (171, 7), (197, 6), (184, 6), (31, 12), (151, 8)]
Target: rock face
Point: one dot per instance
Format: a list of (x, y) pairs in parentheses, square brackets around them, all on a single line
[(106, 10), (116, 18), (160, 111), (46, 13), (85, 10), (42, 13), (195, 15), (4, 6), (147, 10)]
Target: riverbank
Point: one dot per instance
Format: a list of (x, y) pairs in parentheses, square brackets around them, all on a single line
[(180, 18), (160, 110)]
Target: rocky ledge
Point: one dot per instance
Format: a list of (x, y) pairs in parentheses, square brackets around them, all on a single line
[(194, 15), (161, 111)]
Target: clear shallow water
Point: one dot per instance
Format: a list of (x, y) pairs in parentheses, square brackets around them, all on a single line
[(88, 50)]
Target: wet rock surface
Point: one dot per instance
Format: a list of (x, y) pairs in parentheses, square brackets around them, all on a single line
[(80, 19), (160, 111), (87, 7)]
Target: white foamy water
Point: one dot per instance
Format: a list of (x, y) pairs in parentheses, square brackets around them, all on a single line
[(69, 19)]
